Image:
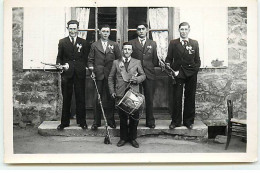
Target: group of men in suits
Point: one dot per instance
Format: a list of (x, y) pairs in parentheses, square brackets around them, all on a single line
[(138, 56)]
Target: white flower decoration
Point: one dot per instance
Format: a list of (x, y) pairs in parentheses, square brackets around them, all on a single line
[(79, 46), (149, 47), (111, 46)]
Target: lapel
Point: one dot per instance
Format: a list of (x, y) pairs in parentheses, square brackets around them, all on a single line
[(138, 44), (70, 45), (180, 47), (99, 46), (131, 64), (147, 43), (108, 43), (123, 71)]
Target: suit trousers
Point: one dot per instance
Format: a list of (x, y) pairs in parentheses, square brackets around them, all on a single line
[(128, 131), (148, 86), (67, 90), (189, 85), (103, 88)]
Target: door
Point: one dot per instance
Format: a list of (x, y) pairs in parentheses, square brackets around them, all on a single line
[(122, 21)]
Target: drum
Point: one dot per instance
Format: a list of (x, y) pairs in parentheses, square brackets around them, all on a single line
[(131, 102)]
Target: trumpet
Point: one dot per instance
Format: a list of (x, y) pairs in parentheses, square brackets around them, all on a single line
[(169, 71), (57, 66)]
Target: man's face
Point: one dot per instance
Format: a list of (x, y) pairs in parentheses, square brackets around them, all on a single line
[(184, 31), (127, 50), (141, 31), (73, 30), (104, 33)]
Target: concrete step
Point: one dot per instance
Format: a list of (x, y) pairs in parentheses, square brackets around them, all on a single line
[(49, 128)]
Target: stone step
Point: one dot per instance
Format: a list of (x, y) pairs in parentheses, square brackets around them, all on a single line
[(49, 128)]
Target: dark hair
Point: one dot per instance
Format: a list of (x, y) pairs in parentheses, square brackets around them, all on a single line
[(142, 23), (104, 26), (184, 24), (127, 43), (73, 22)]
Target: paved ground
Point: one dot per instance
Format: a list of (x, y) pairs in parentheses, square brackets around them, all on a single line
[(29, 141)]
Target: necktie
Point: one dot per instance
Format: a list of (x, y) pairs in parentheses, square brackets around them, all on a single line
[(104, 46), (185, 43), (126, 63), (72, 40), (142, 42)]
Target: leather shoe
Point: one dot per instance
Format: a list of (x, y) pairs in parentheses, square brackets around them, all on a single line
[(94, 127), (173, 126), (61, 127), (151, 126), (121, 143), (84, 126), (189, 126), (113, 126), (134, 143)]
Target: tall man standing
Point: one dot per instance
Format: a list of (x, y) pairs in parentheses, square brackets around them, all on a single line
[(145, 50), (102, 54), (125, 70), (73, 53), (183, 56)]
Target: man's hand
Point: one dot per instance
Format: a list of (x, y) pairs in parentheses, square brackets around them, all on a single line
[(114, 95), (134, 79), (59, 67), (176, 73), (66, 66), (162, 65), (91, 68)]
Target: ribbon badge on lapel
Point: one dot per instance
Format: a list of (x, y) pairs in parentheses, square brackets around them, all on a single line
[(111, 48), (189, 48), (79, 46), (121, 65), (149, 48)]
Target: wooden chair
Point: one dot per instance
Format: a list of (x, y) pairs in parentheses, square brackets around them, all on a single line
[(235, 127)]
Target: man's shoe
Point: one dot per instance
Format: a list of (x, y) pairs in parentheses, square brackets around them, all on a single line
[(113, 126), (121, 143), (61, 127), (151, 126), (134, 143), (84, 126), (189, 126), (173, 126), (94, 127)]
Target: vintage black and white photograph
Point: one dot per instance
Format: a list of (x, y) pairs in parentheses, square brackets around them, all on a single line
[(134, 82)]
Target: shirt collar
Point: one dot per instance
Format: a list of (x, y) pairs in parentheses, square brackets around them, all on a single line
[(142, 39), (127, 59), (75, 38), (181, 39)]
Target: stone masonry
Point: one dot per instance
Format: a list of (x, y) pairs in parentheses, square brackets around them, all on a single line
[(36, 95)]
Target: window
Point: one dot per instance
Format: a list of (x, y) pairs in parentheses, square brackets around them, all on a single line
[(209, 28)]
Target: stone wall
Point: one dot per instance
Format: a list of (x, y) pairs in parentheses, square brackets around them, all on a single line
[(35, 95), (215, 86), (36, 99)]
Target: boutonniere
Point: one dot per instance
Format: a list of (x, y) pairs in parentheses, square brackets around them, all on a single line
[(189, 48), (111, 47), (149, 47), (121, 65), (79, 46)]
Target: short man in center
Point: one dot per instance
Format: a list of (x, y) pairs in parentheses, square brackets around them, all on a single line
[(145, 50), (125, 70), (102, 54)]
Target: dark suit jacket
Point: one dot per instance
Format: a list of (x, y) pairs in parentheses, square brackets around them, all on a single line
[(118, 78), (76, 56), (147, 55), (186, 61), (102, 61)]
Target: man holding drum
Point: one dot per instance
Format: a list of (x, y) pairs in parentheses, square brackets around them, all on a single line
[(125, 72)]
